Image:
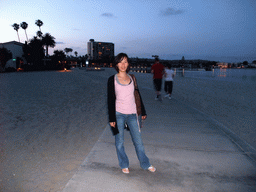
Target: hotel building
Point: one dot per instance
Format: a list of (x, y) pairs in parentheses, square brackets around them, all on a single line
[(99, 50)]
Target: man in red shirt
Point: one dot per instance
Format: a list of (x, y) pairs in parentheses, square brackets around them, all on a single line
[(158, 71)]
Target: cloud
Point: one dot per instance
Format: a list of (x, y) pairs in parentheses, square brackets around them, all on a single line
[(171, 11), (60, 43), (109, 15)]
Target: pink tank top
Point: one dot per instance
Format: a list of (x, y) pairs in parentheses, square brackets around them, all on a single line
[(125, 101)]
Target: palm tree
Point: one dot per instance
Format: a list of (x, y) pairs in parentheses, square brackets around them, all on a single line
[(58, 56), (39, 23), (24, 26), (48, 41), (39, 34), (76, 53), (16, 28), (67, 50), (34, 52)]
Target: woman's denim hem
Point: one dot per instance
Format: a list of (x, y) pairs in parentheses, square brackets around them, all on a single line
[(132, 121)]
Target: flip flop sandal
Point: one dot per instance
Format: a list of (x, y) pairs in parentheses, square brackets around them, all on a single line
[(152, 169), (125, 170)]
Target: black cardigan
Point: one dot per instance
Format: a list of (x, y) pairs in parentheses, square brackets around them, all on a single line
[(112, 100)]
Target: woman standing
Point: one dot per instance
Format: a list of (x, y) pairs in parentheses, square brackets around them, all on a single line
[(123, 111)]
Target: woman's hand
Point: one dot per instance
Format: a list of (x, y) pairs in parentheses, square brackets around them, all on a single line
[(112, 124), (144, 117)]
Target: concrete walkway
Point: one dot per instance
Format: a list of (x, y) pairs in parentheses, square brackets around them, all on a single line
[(190, 152)]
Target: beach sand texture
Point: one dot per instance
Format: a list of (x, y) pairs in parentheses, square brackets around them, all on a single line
[(50, 120), (49, 123)]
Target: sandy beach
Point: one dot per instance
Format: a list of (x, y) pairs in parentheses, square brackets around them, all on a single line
[(51, 120)]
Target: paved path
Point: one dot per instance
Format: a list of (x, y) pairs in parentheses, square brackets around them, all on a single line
[(190, 152)]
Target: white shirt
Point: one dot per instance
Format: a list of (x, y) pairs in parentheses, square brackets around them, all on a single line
[(169, 74)]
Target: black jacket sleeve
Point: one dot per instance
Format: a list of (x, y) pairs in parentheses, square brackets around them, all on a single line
[(111, 99)]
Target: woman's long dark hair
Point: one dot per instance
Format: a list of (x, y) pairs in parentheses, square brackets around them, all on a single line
[(119, 58)]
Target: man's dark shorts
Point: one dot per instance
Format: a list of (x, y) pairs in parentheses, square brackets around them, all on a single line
[(158, 84)]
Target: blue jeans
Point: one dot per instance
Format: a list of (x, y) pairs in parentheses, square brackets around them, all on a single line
[(132, 122)]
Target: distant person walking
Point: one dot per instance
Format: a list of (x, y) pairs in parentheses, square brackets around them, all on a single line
[(168, 84), (158, 71), (123, 109)]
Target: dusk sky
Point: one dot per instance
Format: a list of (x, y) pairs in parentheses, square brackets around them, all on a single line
[(217, 30)]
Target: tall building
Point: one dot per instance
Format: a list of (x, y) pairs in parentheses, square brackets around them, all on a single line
[(99, 50)]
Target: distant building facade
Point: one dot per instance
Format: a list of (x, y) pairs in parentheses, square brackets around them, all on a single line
[(100, 50), (17, 53), (222, 65)]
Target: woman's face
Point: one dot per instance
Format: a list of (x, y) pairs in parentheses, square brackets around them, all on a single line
[(122, 66)]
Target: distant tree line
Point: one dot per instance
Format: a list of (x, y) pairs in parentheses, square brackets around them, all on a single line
[(5, 55), (36, 54), (182, 63)]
